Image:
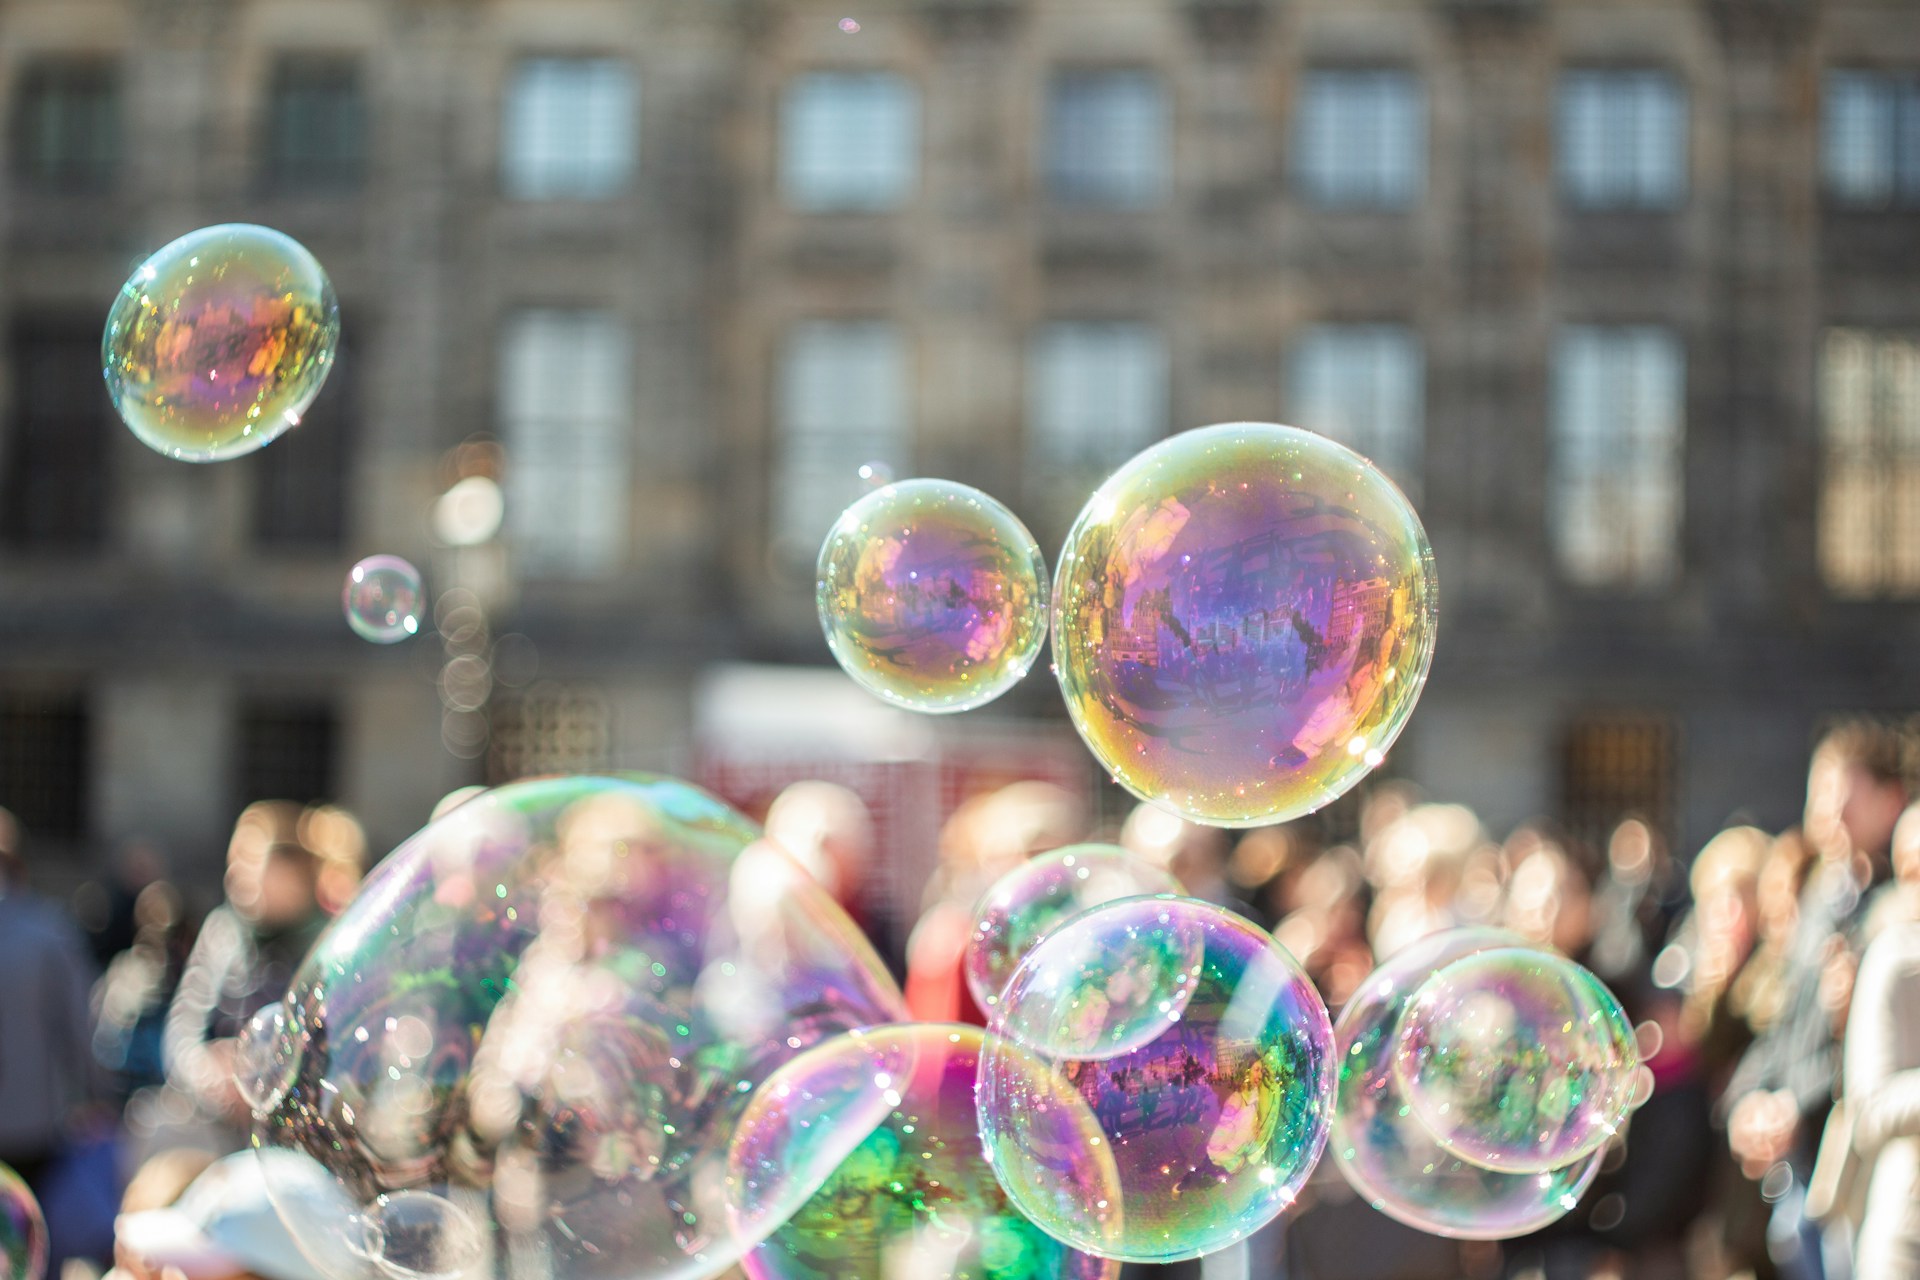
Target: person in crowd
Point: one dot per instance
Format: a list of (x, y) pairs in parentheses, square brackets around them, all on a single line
[(131, 999), (1882, 1074), (47, 1078), (1778, 1099), (244, 958), (827, 829), (1640, 896), (1549, 900), (1327, 931)]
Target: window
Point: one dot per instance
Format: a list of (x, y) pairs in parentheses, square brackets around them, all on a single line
[(1614, 766), (44, 740), (1614, 491), (316, 127), (1870, 145), (300, 481), (566, 401), (1870, 480), (841, 401), (1362, 384), (551, 728), (54, 492), (1623, 140), (849, 140), (286, 750), (1106, 137), (1361, 139), (67, 127), (1096, 394), (571, 129)]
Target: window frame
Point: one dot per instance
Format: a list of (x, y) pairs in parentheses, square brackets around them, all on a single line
[(1621, 177), (799, 174), (585, 170), (1327, 172)]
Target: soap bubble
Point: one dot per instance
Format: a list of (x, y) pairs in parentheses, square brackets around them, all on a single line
[(265, 1058), (23, 1232), (1384, 1151), (1243, 622), (220, 341), (383, 599), (530, 1037), (867, 1148), (932, 595), (1516, 1058), (1214, 1120), (1042, 893)]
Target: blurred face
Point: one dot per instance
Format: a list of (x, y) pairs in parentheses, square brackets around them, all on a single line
[(286, 891), (1849, 810)]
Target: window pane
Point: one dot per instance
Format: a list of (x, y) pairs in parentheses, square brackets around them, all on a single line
[(1623, 139), (44, 744), (57, 477), (1106, 137), (1869, 526), (316, 126), (1361, 138), (286, 750), (571, 128), (1363, 385), (567, 425), (67, 127), (841, 400), (1615, 488), (849, 141), (1096, 394)]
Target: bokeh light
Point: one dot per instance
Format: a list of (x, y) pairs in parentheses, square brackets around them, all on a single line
[(220, 341), (867, 1151), (469, 512), (534, 1031), (383, 599), (1517, 1058), (1384, 1151), (1215, 1112), (1243, 621), (23, 1231), (932, 595), (1042, 893)]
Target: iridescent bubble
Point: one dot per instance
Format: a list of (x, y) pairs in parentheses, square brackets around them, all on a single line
[(533, 1033), (220, 341), (383, 599), (1243, 621), (932, 595), (265, 1058), (1384, 1151), (23, 1232), (1214, 1122), (1516, 1058), (865, 1154), (1041, 894)]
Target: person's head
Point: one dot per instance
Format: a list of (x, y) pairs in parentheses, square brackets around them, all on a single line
[(337, 839), (1634, 852), (1782, 876), (826, 829), (1856, 789), (261, 825), (1549, 899), (288, 887)]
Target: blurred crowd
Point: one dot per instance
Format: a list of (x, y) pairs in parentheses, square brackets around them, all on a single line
[(1774, 979)]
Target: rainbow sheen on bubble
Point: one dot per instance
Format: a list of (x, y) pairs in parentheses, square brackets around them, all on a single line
[(1214, 1121), (932, 595), (23, 1231), (219, 342), (1040, 894), (1243, 620), (865, 1154), (1382, 1149), (1517, 1058), (533, 1033), (383, 599)]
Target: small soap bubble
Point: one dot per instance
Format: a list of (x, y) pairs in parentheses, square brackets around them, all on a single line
[(1383, 1150), (417, 1235), (23, 1231), (1516, 1058), (1215, 1112), (863, 1157), (265, 1058), (1243, 622), (220, 341), (932, 595), (383, 599), (1042, 893), (848, 26)]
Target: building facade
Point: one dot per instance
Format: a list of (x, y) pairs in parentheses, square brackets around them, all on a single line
[(1625, 293)]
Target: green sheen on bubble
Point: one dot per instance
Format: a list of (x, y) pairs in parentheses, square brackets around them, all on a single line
[(23, 1231)]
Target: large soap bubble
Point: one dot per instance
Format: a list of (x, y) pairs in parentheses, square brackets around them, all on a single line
[(932, 595), (220, 341), (1517, 1058), (23, 1232), (1243, 621), (1384, 1151), (1043, 892), (1215, 1108), (524, 1047), (866, 1149)]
